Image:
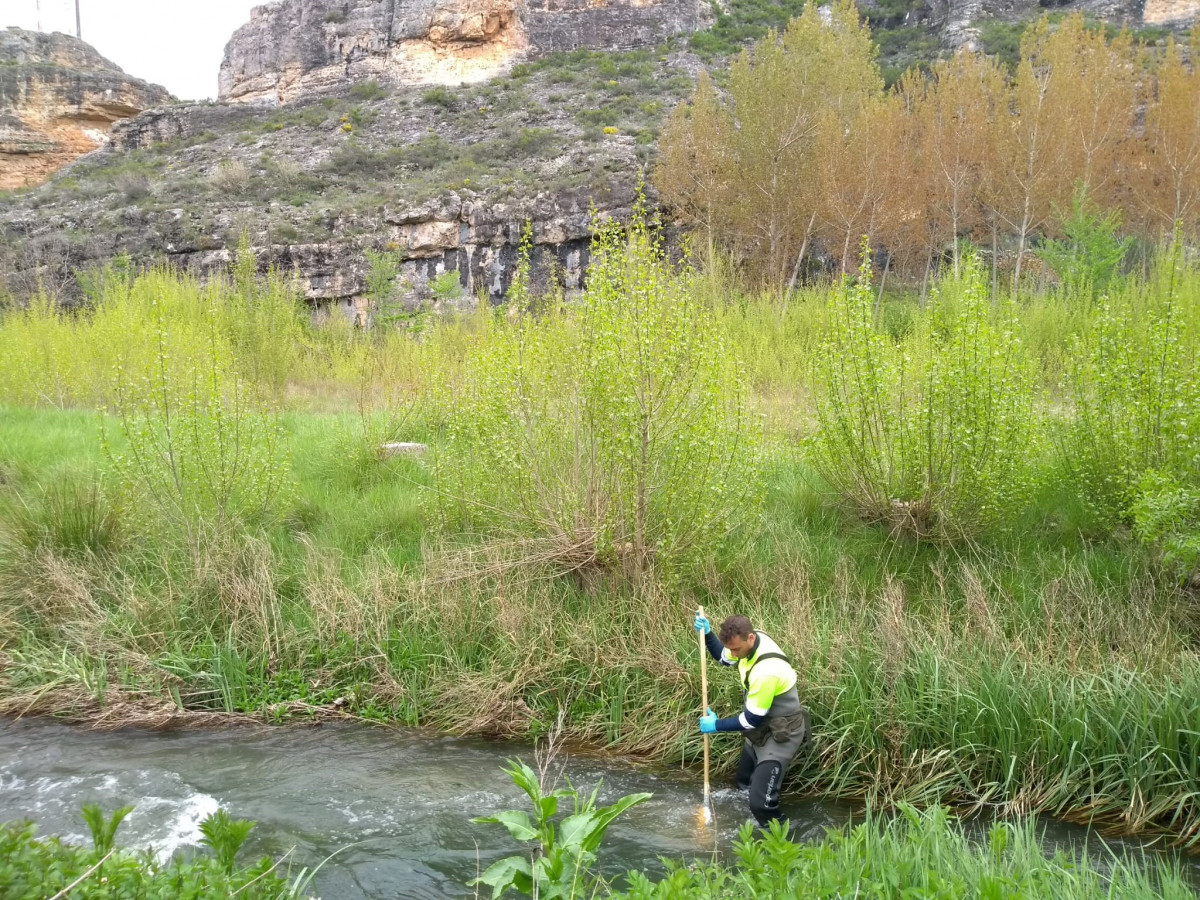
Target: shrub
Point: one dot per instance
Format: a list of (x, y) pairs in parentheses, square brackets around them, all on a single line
[(447, 286), (368, 90), (1166, 515), (134, 185), (618, 437), (933, 435), (1089, 254), (231, 177), (1135, 391), (439, 96), (202, 453)]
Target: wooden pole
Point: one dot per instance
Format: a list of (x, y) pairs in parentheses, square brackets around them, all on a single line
[(78, 29), (707, 810)]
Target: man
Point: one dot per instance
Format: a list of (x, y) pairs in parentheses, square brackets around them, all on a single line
[(773, 723)]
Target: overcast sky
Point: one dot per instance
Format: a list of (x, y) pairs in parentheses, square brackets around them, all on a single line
[(175, 43)]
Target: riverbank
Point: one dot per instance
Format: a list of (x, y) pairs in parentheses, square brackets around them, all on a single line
[(983, 580), (1029, 674)]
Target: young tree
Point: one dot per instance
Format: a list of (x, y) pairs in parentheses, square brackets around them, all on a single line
[(694, 168), (778, 92), (1024, 179), (856, 164), (1170, 187), (954, 111), (1093, 96)]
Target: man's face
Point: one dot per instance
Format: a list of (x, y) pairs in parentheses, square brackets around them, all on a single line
[(740, 646)]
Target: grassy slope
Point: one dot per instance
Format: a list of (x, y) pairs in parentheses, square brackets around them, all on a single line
[(1031, 671)]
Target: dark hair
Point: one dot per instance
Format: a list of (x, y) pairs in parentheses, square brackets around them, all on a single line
[(735, 625)]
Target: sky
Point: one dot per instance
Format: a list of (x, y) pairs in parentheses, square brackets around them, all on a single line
[(175, 43)]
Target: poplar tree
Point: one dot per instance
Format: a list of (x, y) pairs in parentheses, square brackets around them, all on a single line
[(763, 148), (1093, 98), (954, 111), (1170, 184), (1024, 175)]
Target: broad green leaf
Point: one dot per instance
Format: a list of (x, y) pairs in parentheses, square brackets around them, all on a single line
[(514, 820), (512, 871), (525, 778), (605, 815)]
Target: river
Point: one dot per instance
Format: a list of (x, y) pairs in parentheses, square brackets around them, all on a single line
[(397, 801)]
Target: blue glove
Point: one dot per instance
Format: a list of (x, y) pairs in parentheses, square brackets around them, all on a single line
[(701, 624), (708, 723)]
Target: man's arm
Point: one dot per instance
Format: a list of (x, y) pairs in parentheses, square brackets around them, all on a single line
[(758, 702), (717, 650)]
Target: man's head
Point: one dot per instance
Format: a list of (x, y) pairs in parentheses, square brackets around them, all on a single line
[(737, 634)]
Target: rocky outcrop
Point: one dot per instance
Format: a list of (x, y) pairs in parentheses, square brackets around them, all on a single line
[(1171, 12), (440, 185), (58, 98), (957, 22), (296, 47)]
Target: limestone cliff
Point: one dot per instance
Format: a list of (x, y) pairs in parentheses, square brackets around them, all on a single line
[(294, 47), (58, 98)]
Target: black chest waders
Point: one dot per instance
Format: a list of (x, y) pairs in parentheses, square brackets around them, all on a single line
[(770, 748)]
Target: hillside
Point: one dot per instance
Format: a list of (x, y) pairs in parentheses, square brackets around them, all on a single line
[(345, 128)]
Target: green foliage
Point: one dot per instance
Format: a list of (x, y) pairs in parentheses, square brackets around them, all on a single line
[(447, 286), (931, 435), (439, 96), (1135, 388), (620, 437), (73, 520), (1002, 40), (199, 449), (368, 90), (383, 267), (38, 868), (1090, 252), (917, 855), (741, 22), (560, 865), (104, 831), (225, 837), (1166, 514)]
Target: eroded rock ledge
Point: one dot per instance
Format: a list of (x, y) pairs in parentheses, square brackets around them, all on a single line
[(292, 48), (58, 98)]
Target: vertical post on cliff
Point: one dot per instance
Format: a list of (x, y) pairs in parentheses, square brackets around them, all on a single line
[(78, 30)]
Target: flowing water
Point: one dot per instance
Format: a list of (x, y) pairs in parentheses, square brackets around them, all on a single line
[(396, 802)]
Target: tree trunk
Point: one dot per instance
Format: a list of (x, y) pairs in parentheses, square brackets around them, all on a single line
[(925, 279), (800, 255), (887, 264)]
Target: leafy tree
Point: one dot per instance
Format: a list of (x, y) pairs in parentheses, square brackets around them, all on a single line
[(758, 146), (1170, 188), (1090, 251), (954, 110), (619, 438)]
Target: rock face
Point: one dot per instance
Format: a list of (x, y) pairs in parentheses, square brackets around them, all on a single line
[(58, 98), (441, 184), (1171, 12), (296, 47)]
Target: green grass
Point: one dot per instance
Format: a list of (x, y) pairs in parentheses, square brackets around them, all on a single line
[(1046, 665), (914, 855)]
